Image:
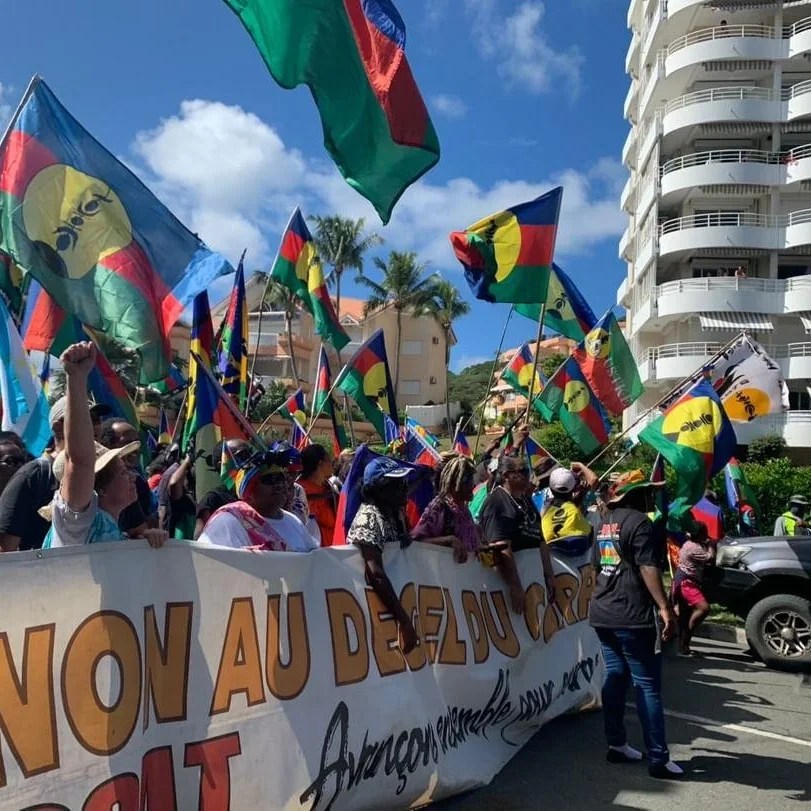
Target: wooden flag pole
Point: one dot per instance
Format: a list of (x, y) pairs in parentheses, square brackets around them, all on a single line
[(180, 416), (490, 381), (669, 396)]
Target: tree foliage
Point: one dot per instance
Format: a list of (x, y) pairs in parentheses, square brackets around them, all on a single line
[(275, 394), (771, 446), (554, 438), (469, 387)]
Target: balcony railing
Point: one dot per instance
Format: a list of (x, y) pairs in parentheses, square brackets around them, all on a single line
[(721, 283), (720, 32), (723, 94), (720, 219), (727, 156)]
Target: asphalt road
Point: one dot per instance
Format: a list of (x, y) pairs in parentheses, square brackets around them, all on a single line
[(742, 733)]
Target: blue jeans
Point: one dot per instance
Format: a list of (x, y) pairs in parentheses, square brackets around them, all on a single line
[(630, 656)]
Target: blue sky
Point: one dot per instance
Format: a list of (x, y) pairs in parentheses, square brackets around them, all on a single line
[(524, 95)]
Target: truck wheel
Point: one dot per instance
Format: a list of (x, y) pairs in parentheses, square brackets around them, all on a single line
[(779, 630)]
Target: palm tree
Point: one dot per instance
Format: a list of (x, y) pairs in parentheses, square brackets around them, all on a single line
[(279, 298), (341, 245), (404, 287), (445, 307)]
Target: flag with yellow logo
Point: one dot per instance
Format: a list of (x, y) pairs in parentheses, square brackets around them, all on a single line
[(696, 437), (298, 268), (508, 256), (367, 380), (96, 239)]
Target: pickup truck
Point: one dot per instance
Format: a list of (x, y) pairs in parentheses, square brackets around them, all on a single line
[(767, 582)]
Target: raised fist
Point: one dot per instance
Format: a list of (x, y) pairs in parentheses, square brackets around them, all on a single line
[(79, 359)]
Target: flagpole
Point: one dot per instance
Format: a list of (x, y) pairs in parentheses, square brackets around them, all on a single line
[(32, 84), (273, 413), (180, 415), (670, 394), (229, 403), (490, 380), (616, 464), (531, 392), (321, 409)]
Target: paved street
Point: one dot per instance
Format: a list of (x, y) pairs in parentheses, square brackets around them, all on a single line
[(742, 732)]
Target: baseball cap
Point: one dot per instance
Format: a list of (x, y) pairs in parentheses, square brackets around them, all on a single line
[(383, 467), (103, 458), (798, 499), (562, 480), (60, 408)]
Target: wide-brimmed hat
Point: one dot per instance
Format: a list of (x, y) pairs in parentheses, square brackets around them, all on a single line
[(799, 500), (626, 483), (103, 458)]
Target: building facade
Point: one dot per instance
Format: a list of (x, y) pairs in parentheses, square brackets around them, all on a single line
[(719, 193), (422, 345)]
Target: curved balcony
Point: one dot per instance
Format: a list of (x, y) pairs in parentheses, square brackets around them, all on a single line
[(677, 361), (726, 229), (798, 228), (676, 6), (752, 104), (690, 296), (798, 99), (798, 37), (725, 42), (797, 298), (724, 166)]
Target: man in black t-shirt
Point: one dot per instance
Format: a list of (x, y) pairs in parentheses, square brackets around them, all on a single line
[(628, 608)]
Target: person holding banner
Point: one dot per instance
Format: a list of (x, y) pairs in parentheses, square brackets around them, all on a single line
[(95, 483), (380, 521), (510, 523), (446, 520), (258, 519)]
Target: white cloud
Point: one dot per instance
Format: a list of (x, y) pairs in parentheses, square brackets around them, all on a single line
[(435, 11), (448, 105), (230, 177), (516, 42), (5, 107)]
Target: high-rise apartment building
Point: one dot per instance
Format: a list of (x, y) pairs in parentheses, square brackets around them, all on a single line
[(719, 193)]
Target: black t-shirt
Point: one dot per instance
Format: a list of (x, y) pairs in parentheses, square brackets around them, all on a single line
[(30, 488), (140, 509), (214, 499), (504, 518), (624, 542)]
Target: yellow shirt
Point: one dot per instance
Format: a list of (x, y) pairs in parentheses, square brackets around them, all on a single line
[(563, 520)]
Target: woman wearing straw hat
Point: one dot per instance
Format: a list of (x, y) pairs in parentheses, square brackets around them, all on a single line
[(632, 615), (95, 485)]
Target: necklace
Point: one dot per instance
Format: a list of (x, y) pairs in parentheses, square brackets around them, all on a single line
[(512, 498)]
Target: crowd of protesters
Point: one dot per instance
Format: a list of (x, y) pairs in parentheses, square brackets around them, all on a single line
[(89, 488)]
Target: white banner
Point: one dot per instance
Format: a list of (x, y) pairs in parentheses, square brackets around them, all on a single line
[(195, 677)]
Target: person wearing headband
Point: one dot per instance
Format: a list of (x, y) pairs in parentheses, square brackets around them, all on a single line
[(258, 519)]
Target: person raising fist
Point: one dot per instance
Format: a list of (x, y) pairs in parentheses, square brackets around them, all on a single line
[(95, 484)]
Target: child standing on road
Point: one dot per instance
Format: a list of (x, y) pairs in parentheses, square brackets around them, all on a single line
[(689, 600)]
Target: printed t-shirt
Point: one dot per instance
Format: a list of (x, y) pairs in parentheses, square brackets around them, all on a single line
[(563, 519), (624, 542), (516, 521), (374, 529)]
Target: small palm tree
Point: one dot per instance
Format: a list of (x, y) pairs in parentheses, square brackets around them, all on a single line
[(404, 287), (341, 244), (445, 306), (279, 298)]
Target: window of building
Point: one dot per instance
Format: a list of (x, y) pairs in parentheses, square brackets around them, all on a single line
[(411, 348), (710, 269), (410, 387), (799, 401)]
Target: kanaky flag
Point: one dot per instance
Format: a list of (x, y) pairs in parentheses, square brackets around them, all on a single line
[(298, 436), (418, 451), (606, 361), (367, 380), (460, 444), (298, 268), (540, 460), (200, 349), (294, 408), (324, 404), (233, 350), (508, 256), (93, 235), (518, 374), (351, 54), (696, 437), (569, 398), (164, 434), (567, 310)]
